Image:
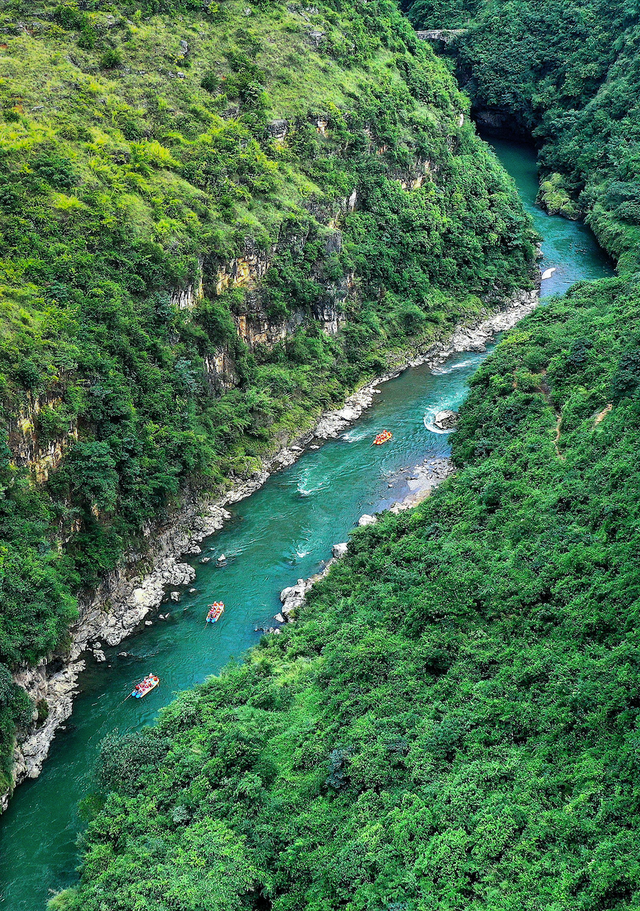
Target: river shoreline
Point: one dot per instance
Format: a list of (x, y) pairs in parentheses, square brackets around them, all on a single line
[(122, 602), (429, 474)]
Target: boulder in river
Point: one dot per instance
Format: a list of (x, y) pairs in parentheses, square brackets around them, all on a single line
[(339, 550), (446, 420), (293, 597), (366, 520)]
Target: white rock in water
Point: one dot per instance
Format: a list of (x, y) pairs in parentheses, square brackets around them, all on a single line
[(205, 559), (446, 420), (99, 655), (366, 520), (175, 596), (148, 623), (279, 618), (222, 559), (339, 550)]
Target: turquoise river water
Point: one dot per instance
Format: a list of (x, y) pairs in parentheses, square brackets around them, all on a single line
[(280, 534)]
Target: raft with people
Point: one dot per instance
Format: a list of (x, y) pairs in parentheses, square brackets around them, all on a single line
[(383, 437), (216, 610), (149, 683)]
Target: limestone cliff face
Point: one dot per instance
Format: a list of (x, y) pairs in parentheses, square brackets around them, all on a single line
[(246, 270), (254, 324), (28, 447), (187, 298), (51, 686), (221, 371)]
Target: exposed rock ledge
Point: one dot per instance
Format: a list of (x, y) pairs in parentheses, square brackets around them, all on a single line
[(57, 690), (129, 593)]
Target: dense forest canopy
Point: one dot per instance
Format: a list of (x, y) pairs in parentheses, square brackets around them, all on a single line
[(453, 722), (566, 72), (145, 149)]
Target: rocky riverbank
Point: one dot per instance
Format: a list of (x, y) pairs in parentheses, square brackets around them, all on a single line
[(126, 597), (426, 476)]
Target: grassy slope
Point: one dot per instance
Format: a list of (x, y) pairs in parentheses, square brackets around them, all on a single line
[(566, 70), (453, 723), (135, 147)]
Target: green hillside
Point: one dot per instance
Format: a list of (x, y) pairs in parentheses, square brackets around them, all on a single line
[(566, 72), (171, 174), (453, 723)]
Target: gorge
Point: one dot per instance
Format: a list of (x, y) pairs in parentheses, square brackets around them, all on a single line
[(238, 216), (282, 532)]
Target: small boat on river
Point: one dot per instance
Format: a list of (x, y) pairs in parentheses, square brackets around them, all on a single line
[(216, 610), (383, 437), (149, 683)]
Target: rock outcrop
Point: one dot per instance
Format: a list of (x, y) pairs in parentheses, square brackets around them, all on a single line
[(53, 693), (28, 447), (365, 520), (292, 598), (446, 420), (442, 35), (188, 298), (333, 423)]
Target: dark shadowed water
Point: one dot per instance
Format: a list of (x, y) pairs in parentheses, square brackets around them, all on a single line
[(282, 533)]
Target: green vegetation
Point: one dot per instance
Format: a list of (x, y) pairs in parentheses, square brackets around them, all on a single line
[(142, 148), (566, 72), (556, 199), (453, 722)]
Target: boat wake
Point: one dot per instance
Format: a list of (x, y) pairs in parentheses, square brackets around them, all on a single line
[(431, 427), (444, 371), (309, 491), (354, 436), (306, 488)]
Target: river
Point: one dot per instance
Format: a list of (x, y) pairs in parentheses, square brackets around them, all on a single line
[(282, 533)]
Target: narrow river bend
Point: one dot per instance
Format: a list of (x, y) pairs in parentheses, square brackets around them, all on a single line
[(280, 534)]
